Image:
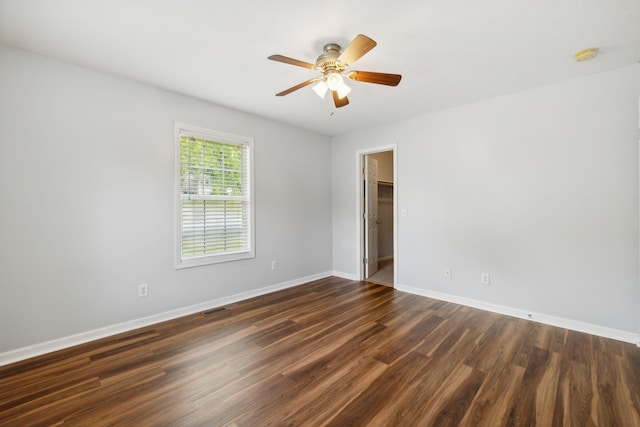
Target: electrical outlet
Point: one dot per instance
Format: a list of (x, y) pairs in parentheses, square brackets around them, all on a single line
[(274, 265), (485, 279), (143, 290), (447, 273)]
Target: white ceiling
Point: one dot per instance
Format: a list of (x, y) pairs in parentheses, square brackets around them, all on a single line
[(449, 52)]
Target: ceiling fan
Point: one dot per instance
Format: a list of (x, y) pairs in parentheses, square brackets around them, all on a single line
[(332, 63)]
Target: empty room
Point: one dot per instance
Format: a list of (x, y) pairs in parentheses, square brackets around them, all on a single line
[(292, 213)]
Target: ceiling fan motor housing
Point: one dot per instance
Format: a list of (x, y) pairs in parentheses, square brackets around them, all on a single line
[(328, 61)]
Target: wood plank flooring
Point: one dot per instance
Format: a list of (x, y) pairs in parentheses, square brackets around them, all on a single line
[(332, 353)]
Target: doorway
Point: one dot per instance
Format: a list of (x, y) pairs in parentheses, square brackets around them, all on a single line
[(377, 208)]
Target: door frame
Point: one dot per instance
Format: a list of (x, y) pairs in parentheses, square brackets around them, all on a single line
[(360, 154)]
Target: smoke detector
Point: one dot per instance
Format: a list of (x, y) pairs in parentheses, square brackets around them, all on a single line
[(586, 54)]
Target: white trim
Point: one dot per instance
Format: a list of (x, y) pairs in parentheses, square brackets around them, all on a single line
[(24, 353), (84, 337), (574, 325), (344, 275)]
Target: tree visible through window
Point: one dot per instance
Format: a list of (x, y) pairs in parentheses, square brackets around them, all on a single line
[(215, 190)]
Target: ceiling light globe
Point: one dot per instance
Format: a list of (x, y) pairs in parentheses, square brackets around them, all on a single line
[(343, 90), (320, 89), (334, 80)]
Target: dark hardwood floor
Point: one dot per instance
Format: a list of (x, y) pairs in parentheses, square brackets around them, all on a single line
[(337, 353)]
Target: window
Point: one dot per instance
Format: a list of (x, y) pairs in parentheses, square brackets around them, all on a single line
[(215, 189)]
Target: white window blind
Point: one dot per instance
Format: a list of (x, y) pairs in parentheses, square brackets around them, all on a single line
[(215, 197)]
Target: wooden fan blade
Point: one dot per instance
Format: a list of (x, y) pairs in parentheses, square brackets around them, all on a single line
[(296, 87), (292, 61), (340, 102), (377, 78), (358, 47)]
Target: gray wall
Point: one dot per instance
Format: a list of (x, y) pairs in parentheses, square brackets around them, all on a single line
[(538, 188), (87, 201)]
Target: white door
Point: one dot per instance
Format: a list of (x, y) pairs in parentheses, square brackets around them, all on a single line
[(371, 216)]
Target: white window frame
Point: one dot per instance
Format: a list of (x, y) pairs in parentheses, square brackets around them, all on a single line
[(224, 138)]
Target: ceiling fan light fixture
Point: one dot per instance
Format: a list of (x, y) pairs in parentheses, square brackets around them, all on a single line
[(332, 65), (343, 90), (320, 89), (334, 80)]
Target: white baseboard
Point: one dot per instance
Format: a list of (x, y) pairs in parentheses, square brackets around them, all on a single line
[(347, 276), (84, 337), (574, 325)]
